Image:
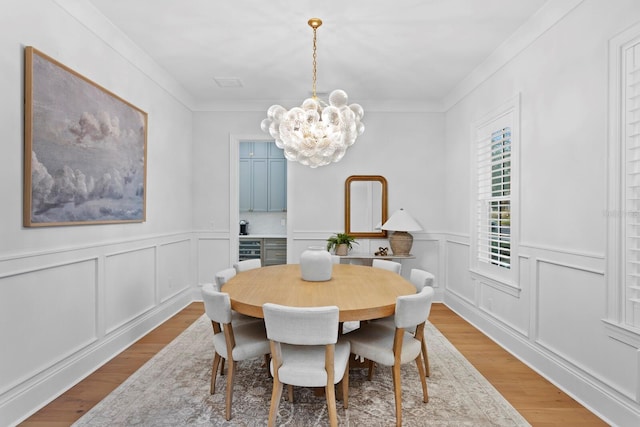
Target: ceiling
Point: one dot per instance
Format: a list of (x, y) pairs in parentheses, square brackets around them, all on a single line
[(403, 51)]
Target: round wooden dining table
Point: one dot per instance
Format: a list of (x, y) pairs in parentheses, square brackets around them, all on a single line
[(360, 292)]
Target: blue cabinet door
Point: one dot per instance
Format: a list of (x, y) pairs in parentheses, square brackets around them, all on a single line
[(262, 178), (275, 152), (254, 150), (277, 185), (260, 191), (244, 190)]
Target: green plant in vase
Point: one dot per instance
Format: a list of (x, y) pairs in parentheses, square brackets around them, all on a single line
[(341, 243)]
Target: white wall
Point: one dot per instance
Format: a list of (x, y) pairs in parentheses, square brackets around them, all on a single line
[(555, 322), (72, 297), (407, 149)]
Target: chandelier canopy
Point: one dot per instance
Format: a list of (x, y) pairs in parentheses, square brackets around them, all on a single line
[(315, 134)]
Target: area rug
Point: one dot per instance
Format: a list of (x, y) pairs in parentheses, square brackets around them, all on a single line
[(172, 389)]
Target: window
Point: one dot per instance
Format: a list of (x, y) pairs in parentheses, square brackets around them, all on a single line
[(623, 274), (494, 198), (493, 240), (631, 138)]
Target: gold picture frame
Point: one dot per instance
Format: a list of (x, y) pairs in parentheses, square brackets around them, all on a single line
[(85, 149), (365, 199)]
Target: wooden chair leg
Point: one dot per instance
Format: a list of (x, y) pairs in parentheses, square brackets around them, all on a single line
[(372, 366), (214, 372), (425, 356), (330, 392), (423, 381), (276, 394), (222, 367), (397, 393), (290, 390), (231, 371), (267, 362), (345, 387)]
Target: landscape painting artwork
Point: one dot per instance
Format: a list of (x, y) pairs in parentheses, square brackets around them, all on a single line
[(85, 149)]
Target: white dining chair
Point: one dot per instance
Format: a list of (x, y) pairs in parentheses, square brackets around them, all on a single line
[(306, 352), (386, 264), (231, 342), (247, 264), (419, 278), (394, 347), (222, 277)]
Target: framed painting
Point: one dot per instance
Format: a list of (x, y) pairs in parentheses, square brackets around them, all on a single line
[(85, 149)]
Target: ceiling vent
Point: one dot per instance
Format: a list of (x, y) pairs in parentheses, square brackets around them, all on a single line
[(228, 82)]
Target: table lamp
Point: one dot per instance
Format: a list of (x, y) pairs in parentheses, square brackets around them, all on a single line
[(401, 223)]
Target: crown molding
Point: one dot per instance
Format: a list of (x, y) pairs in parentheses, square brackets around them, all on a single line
[(88, 16), (544, 19), (550, 14), (369, 105)]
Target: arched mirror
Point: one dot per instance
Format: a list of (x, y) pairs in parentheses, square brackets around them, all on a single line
[(365, 205)]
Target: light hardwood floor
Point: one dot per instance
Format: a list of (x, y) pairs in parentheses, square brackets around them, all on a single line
[(540, 402)]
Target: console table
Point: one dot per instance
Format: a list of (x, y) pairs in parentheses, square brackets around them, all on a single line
[(366, 259)]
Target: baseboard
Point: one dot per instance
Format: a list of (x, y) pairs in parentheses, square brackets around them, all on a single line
[(27, 398), (594, 396)]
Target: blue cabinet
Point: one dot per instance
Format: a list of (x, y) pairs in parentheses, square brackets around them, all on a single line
[(275, 152), (244, 198), (256, 150), (277, 179), (263, 178)]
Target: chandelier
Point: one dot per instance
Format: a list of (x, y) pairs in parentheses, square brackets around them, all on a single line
[(315, 134)]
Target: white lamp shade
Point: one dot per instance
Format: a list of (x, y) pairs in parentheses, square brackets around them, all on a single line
[(401, 221)]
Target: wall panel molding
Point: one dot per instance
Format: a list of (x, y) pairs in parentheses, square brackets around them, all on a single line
[(34, 306), (41, 267), (174, 267), (557, 371), (98, 247), (550, 252), (79, 282), (577, 376)]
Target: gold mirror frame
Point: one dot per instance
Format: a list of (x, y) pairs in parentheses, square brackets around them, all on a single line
[(347, 205)]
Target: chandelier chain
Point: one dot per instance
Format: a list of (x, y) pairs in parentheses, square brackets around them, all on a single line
[(315, 63)]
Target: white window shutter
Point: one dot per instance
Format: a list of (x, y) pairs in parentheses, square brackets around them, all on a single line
[(631, 177), (494, 198)]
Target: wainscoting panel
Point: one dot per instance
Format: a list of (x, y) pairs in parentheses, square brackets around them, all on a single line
[(559, 287), (427, 257), (212, 256), (552, 319), (129, 287), (458, 281), (174, 268), (511, 311), (64, 312), (46, 314), (581, 340)]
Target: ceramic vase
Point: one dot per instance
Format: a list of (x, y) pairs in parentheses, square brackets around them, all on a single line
[(342, 249), (316, 264)]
